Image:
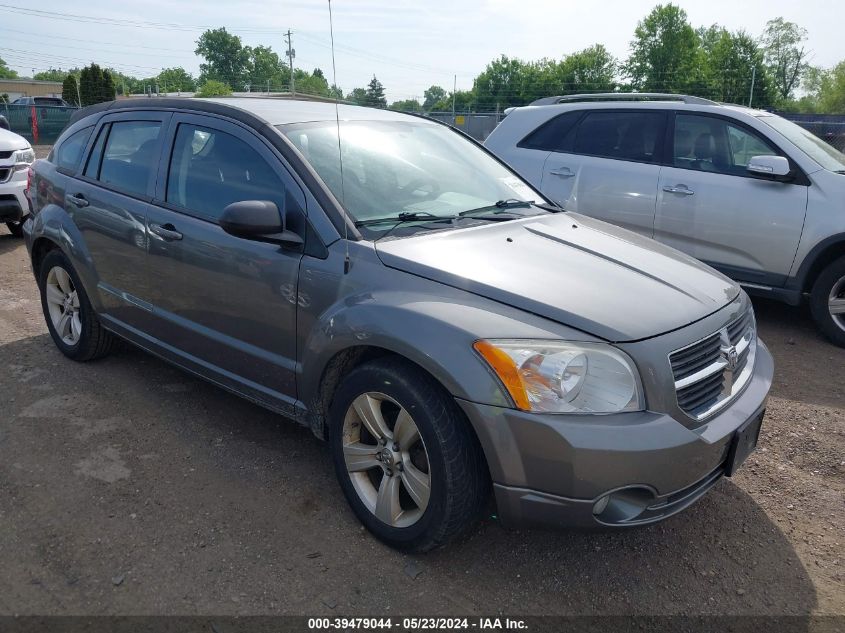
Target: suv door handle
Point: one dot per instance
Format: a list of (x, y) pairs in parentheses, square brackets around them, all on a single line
[(78, 200), (563, 172), (681, 189), (167, 232)]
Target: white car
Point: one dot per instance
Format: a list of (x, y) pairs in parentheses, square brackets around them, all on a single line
[(16, 155), (747, 192)]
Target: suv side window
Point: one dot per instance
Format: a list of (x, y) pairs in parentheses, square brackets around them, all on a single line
[(715, 145), (623, 135), (555, 135), (129, 155), (70, 151), (210, 169)]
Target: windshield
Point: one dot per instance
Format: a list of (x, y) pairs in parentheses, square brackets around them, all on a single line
[(405, 167), (823, 153)]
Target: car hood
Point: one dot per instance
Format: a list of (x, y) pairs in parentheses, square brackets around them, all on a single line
[(578, 271), (11, 141)]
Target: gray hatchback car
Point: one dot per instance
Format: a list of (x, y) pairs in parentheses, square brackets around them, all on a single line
[(387, 282)]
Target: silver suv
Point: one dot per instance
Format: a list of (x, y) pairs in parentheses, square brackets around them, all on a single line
[(745, 191), (411, 300)]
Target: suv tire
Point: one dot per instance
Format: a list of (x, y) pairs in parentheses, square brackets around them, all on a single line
[(71, 320), (830, 288), (15, 228), (426, 459)]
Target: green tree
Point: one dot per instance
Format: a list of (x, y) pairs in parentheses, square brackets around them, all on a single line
[(590, 70), (501, 84), (664, 52), (6, 72), (95, 86), (53, 74), (375, 94), (312, 84), (214, 88), (265, 66), (731, 62), (69, 92), (406, 105), (785, 55), (433, 96), (358, 96), (226, 59), (831, 93), (175, 80)]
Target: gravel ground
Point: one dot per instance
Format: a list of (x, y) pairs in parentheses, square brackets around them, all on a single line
[(129, 487)]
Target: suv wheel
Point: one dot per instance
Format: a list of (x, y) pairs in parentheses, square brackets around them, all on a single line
[(827, 301), (15, 228), (75, 329), (405, 455)]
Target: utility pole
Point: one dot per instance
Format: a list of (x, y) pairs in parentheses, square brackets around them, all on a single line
[(291, 53), (454, 90), (753, 76)]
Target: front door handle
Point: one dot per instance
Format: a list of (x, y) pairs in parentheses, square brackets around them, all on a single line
[(679, 189), (563, 172), (167, 231), (78, 200)]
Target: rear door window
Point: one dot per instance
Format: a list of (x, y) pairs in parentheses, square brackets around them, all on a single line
[(633, 136), (210, 169), (129, 156)]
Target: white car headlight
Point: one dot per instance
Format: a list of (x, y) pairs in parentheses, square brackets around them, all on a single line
[(564, 377), (24, 158)]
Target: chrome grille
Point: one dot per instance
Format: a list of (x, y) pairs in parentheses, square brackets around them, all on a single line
[(710, 372)]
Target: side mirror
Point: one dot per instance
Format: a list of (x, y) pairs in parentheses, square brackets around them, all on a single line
[(776, 167), (258, 220)]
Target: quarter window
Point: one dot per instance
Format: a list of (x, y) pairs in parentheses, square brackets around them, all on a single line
[(129, 156), (711, 144), (70, 152), (623, 135), (555, 135), (210, 169)]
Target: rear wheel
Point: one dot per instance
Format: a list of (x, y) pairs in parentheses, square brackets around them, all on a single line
[(827, 301), (71, 320), (15, 228), (405, 455)]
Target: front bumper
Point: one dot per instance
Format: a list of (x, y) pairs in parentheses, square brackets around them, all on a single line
[(551, 470)]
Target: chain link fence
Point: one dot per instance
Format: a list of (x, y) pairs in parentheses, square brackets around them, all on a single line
[(39, 124)]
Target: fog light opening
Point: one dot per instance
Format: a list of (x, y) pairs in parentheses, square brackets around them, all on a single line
[(623, 506)]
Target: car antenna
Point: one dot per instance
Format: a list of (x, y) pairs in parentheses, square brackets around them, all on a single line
[(346, 264)]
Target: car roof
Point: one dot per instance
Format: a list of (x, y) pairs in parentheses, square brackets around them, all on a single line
[(268, 110), (651, 104)]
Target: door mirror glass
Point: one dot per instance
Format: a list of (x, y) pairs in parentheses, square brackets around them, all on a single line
[(771, 166), (258, 220)]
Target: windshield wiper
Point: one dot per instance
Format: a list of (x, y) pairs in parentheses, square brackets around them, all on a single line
[(498, 207), (410, 216)]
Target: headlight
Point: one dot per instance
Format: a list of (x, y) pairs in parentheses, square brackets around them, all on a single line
[(24, 158), (564, 377)]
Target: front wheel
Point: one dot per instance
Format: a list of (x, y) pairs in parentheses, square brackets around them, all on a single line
[(407, 460), (827, 301), (15, 228)]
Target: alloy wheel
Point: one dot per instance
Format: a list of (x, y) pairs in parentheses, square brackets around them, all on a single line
[(63, 305), (836, 303), (386, 459)]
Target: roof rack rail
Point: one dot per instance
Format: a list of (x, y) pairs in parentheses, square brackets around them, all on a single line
[(624, 96)]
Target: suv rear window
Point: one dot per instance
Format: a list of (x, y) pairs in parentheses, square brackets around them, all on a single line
[(623, 135), (555, 135)]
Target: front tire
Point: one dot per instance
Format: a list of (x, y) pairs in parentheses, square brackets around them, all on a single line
[(71, 320), (406, 458), (827, 301), (15, 228)]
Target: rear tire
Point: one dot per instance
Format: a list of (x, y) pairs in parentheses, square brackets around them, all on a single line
[(15, 228), (428, 458), (827, 301), (71, 320)]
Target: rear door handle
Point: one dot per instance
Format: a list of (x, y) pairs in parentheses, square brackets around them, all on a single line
[(679, 189), (167, 231), (563, 172), (78, 200)]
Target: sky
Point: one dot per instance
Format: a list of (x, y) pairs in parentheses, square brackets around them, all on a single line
[(408, 45)]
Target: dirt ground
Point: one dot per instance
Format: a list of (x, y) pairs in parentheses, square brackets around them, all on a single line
[(129, 487)]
